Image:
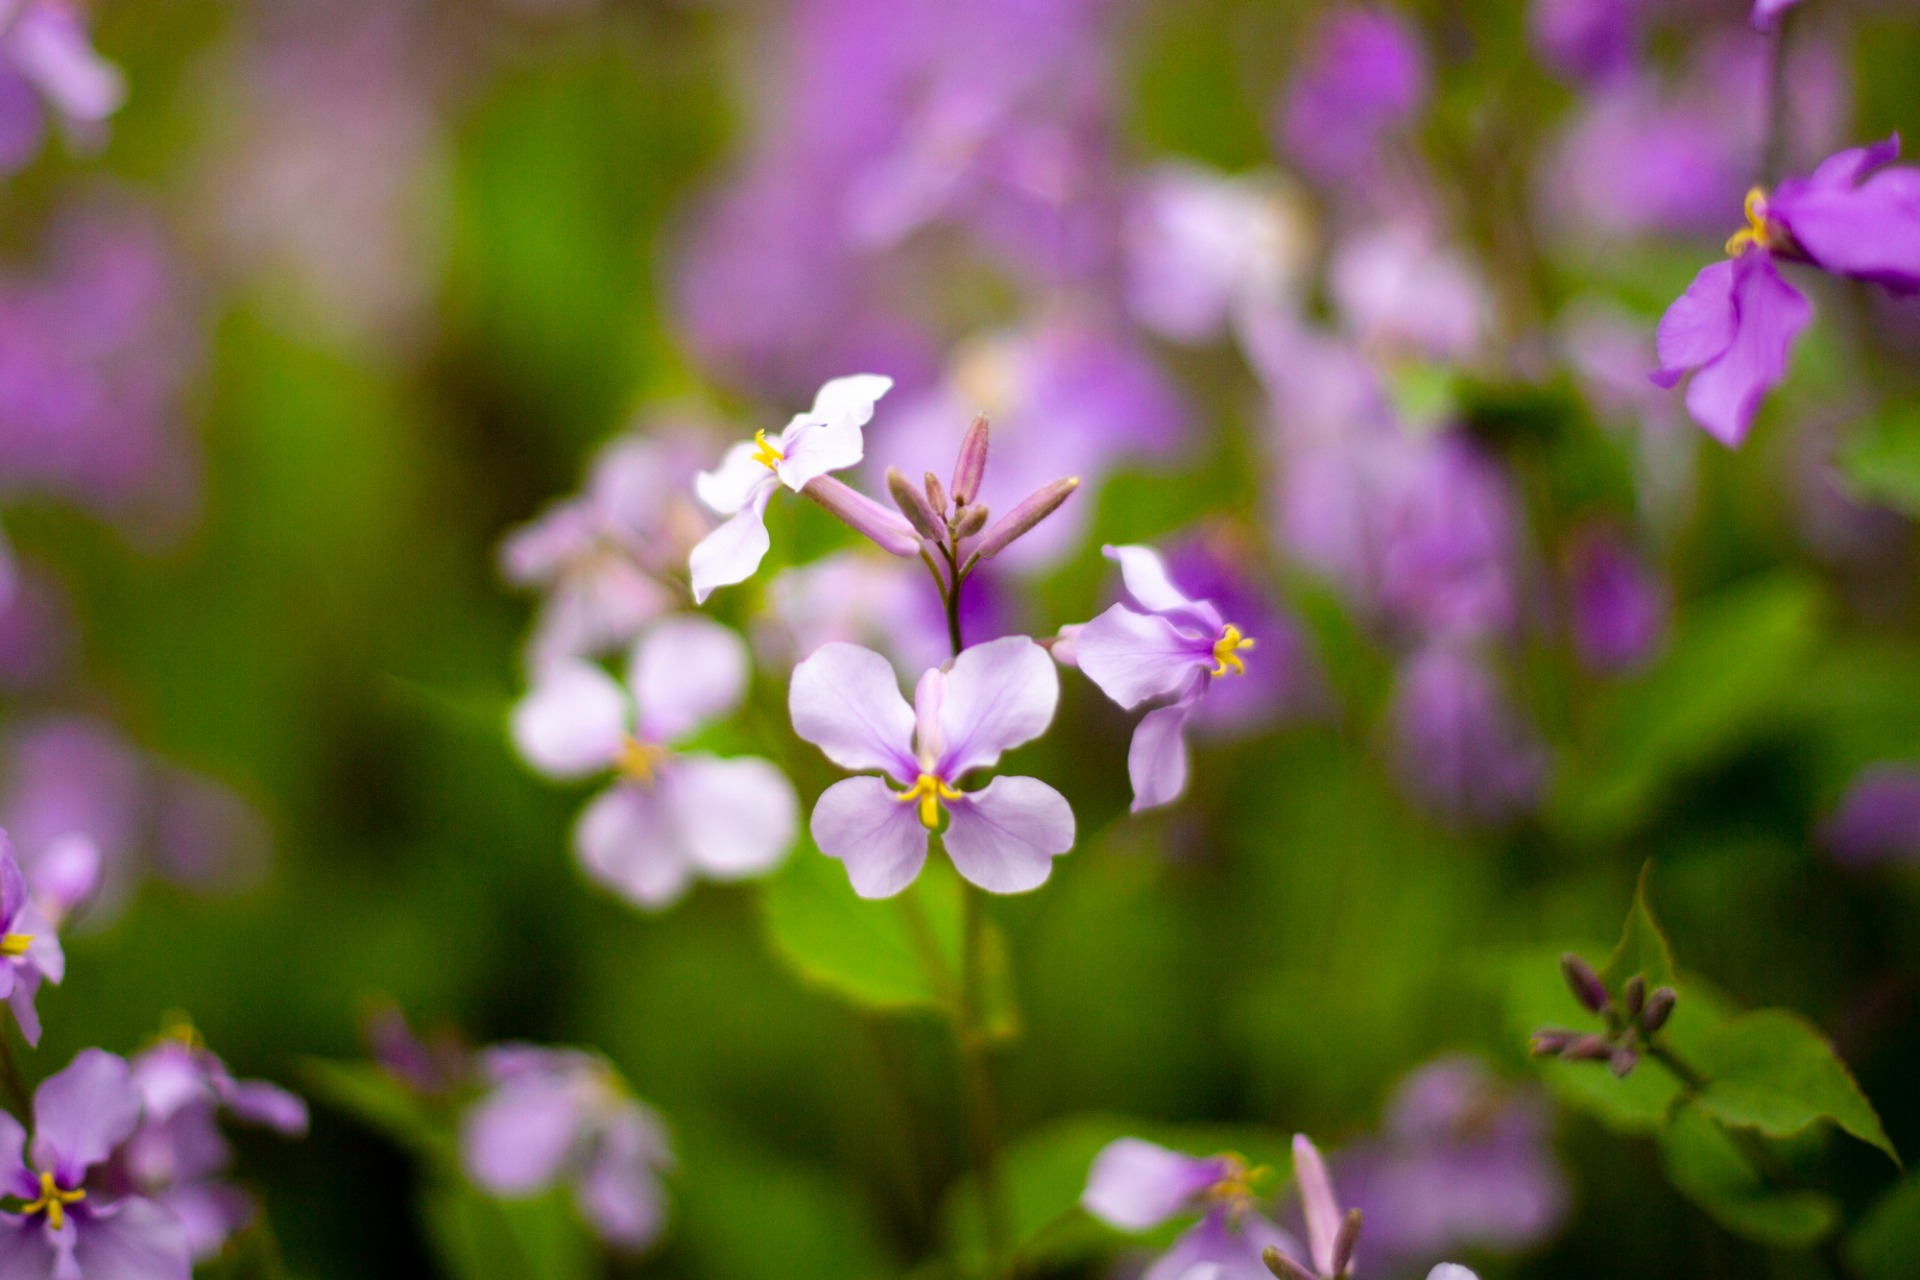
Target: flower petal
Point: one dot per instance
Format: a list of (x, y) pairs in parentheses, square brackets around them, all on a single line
[(1699, 326), (1135, 657), (996, 696), (50, 48), (686, 671), (15, 1177), (627, 841), (134, 1239), (736, 818), (846, 700), (81, 1114), (619, 1192), (851, 397), (1321, 1210), (209, 1213), (1135, 1185), (1157, 757), (861, 822), (1145, 575), (733, 551), (733, 486), (513, 1141), (572, 722), (815, 446), (268, 1105), (1005, 836), (1725, 395), (25, 1251)]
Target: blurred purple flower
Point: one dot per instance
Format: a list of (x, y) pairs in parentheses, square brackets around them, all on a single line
[(1618, 606), (1857, 215), (71, 1227), (670, 814), (29, 949), (433, 1065), (880, 602), (996, 696), (47, 61), (1363, 80), (1460, 1163), (1400, 291), (1458, 744), (1732, 330), (1767, 13), (1586, 40), (36, 630), (1878, 819), (1136, 1186), (563, 1116)]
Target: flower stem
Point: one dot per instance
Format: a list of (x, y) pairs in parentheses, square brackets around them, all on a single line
[(1774, 152), (977, 1067), (11, 1081)]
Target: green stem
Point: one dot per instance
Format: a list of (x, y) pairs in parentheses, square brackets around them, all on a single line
[(977, 1067), (13, 1083)]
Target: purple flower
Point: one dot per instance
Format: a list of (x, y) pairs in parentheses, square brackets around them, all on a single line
[(826, 438), (1587, 40), (881, 602), (1458, 744), (1732, 330), (37, 642), (670, 814), (71, 1228), (1136, 1186), (1365, 78), (560, 1115), (45, 56), (29, 950), (1401, 291), (995, 696), (1856, 216), (1446, 541), (1619, 609), (1767, 13), (1879, 817), (1163, 647), (433, 1065), (177, 1154)]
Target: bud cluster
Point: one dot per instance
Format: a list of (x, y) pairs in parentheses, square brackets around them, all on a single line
[(1632, 1021), (1345, 1239)]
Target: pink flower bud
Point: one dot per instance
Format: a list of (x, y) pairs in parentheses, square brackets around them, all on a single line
[(864, 516), (970, 468), (1030, 511), (913, 505)]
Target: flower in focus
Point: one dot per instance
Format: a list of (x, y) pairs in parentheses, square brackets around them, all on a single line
[(70, 1227), (177, 1155), (1857, 215), (29, 950), (1163, 646), (826, 438), (1619, 609), (1878, 819), (670, 814), (995, 696), (1732, 330), (561, 1115), (1365, 78), (1458, 743), (1136, 1186), (47, 61)]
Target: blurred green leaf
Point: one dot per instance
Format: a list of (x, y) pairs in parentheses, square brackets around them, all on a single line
[(1643, 946), (479, 1238), (1773, 1071), (1705, 1164), (375, 1099), (1881, 461), (1886, 1244)]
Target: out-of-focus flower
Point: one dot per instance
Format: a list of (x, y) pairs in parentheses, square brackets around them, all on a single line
[(36, 628), (1767, 13), (1365, 78), (1458, 744), (1136, 1186), (996, 696), (433, 1065), (1878, 819), (29, 949), (1162, 647), (1203, 245), (71, 1226), (1857, 215), (826, 438), (1066, 398), (1732, 330), (563, 1116), (47, 61), (177, 1155), (881, 602), (609, 559), (1586, 40), (1461, 1163), (1331, 1233), (1401, 292), (1619, 611), (670, 814)]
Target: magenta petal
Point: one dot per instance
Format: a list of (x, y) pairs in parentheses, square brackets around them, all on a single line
[(268, 1105), (81, 1114), (134, 1239), (1869, 232), (1725, 395), (846, 701), (1134, 656), (862, 822), (1136, 1185), (1157, 757), (1005, 836), (514, 1140), (997, 696), (1699, 326)]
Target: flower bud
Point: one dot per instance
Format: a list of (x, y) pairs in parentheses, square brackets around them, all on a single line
[(970, 468), (864, 516), (1623, 1061), (1283, 1266), (1550, 1041), (1344, 1241), (1584, 983), (936, 495), (1634, 994), (971, 521), (1030, 511), (913, 505), (1588, 1049), (1659, 1009)]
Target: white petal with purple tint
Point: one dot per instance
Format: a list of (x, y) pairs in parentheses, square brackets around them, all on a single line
[(572, 722), (861, 822), (846, 700), (1005, 836)]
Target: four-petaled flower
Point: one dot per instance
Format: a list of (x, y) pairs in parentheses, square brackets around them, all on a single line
[(1169, 646), (1136, 1186), (670, 814), (993, 697), (828, 437), (29, 950), (66, 1228)]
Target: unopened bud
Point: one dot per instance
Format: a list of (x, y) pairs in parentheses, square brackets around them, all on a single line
[(1659, 1009), (970, 468), (1623, 1061), (1030, 511), (1584, 983), (1634, 995), (1283, 1266), (1344, 1241), (1549, 1041), (865, 516), (1588, 1049), (913, 505), (972, 521), (936, 494)]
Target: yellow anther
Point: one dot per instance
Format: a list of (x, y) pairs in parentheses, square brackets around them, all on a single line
[(639, 761), (929, 791), (53, 1201), (15, 944), (1757, 231), (1240, 1185), (1226, 651), (765, 452)]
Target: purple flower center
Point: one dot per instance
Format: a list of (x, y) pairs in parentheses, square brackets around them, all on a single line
[(53, 1202)]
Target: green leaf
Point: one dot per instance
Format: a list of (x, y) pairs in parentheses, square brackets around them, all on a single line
[(1771, 1070), (374, 1098), (1705, 1164), (1643, 946), (1886, 1244), (479, 1238), (1881, 462)]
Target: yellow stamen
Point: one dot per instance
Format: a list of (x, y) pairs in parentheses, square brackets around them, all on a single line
[(1240, 1186), (765, 452), (1757, 230), (929, 791), (53, 1201), (15, 944), (639, 761), (1226, 651)]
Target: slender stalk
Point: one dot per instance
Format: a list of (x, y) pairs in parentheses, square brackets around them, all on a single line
[(1773, 154), (18, 1099), (977, 1068)]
